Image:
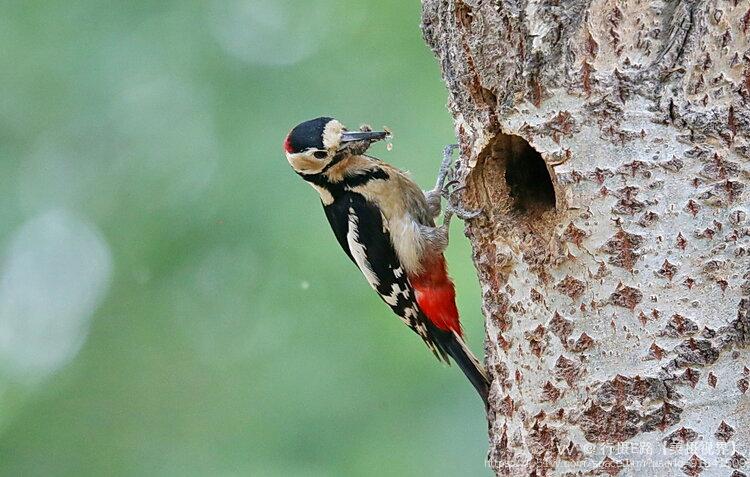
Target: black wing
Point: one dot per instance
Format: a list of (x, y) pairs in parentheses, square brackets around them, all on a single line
[(358, 227)]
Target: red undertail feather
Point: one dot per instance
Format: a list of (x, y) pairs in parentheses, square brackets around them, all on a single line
[(436, 295)]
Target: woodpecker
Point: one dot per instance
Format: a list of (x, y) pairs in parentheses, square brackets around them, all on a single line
[(386, 225)]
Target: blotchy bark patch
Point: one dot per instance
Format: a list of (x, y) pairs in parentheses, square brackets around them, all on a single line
[(571, 286), (568, 370), (680, 437), (624, 249), (626, 296), (630, 390), (611, 426)]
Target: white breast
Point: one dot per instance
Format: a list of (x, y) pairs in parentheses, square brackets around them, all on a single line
[(407, 241)]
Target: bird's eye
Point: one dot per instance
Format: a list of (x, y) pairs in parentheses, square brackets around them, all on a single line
[(320, 154)]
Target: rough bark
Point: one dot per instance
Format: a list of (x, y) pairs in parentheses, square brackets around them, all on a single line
[(607, 145)]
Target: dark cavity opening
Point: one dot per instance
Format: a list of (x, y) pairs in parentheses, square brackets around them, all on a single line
[(526, 174)]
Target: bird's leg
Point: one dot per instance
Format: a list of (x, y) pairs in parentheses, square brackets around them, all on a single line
[(451, 207), (457, 210), (433, 196), (440, 234), (445, 227), (445, 166), (440, 190)]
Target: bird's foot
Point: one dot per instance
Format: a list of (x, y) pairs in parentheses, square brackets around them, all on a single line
[(445, 172), (445, 166), (449, 192), (462, 213)]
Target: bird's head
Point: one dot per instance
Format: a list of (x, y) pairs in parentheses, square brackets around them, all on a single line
[(316, 145)]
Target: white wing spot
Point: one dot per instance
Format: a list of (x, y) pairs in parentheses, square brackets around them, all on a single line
[(421, 329), (410, 312), (358, 250), (396, 290), (392, 299)]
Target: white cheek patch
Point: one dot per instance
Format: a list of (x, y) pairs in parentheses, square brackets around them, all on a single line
[(358, 250), (332, 134), (305, 163)]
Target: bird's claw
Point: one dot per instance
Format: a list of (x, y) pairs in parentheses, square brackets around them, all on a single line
[(448, 151), (448, 189), (462, 213), (445, 167)]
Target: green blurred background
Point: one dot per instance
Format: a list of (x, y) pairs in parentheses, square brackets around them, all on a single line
[(172, 301)]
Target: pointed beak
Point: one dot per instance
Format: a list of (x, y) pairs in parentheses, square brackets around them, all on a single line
[(372, 136)]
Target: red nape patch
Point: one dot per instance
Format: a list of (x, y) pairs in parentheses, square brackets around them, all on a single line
[(436, 296), (288, 144)]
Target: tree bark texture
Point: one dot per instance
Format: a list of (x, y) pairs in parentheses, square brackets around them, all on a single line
[(607, 144)]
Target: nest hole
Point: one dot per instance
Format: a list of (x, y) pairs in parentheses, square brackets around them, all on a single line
[(528, 188), (528, 179)]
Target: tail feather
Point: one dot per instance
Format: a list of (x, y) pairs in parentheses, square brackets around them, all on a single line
[(456, 347)]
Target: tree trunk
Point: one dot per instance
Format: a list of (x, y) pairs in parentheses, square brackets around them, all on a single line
[(607, 145)]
